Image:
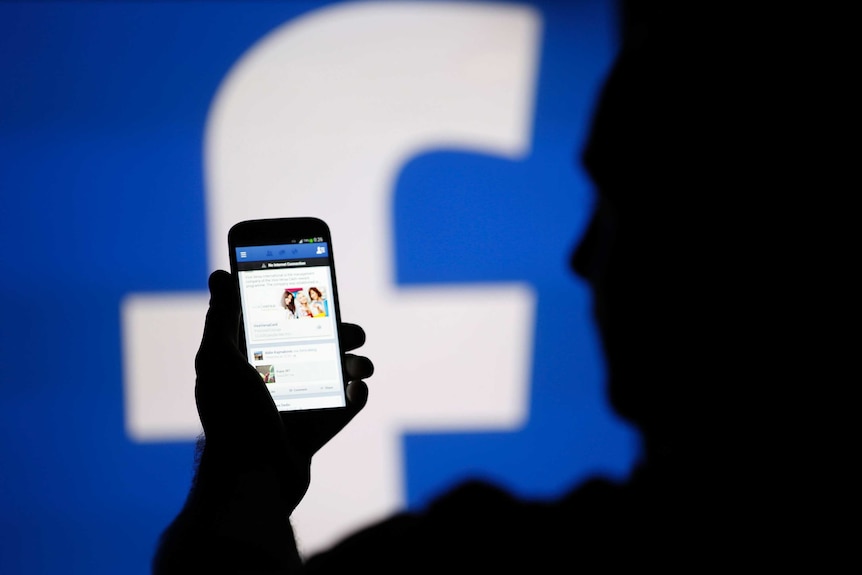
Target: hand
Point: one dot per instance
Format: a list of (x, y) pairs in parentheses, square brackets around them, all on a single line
[(245, 433)]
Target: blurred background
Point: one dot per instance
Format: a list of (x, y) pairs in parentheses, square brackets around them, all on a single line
[(440, 140)]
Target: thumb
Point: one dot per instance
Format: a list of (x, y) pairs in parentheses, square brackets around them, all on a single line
[(222, 321), (232, 401), (221, 327)]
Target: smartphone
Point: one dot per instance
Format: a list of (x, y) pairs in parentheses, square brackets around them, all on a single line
[(285, 274)]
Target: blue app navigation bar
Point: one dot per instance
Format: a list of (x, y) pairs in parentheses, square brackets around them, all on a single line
[(282, 252)]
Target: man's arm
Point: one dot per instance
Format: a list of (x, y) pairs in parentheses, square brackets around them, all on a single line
[(231, 523)]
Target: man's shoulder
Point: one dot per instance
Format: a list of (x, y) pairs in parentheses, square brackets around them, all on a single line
[(477, 524)]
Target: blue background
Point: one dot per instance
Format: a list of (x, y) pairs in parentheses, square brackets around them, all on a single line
[(102, 110)]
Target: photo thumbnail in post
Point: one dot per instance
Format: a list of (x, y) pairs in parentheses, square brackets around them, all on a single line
[(267, 373), (303, 303)]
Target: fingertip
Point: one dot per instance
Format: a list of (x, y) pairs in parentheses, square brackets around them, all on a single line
[(358, 366), (218, 281), (352, 335), (357, 395), (222, 290)]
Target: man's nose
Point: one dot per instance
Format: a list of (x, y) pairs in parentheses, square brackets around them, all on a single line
[(584, 254)]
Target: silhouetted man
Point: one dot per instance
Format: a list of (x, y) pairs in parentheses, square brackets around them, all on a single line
[(657, 256)]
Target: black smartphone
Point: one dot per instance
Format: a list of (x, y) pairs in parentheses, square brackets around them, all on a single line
[(285, 274)]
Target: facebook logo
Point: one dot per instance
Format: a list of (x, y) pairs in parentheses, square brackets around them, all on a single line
[(439, 141)]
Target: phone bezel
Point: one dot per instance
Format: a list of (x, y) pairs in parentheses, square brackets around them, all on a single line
[(274, 231)]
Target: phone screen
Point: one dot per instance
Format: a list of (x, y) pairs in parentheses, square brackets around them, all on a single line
[(287, 294)]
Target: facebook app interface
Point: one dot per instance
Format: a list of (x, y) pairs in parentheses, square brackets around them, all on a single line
[(289, 321)]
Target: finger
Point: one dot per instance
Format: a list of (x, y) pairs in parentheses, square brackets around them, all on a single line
[(357, 396), (358, 366), (222, 321), (219, 340), (352, 336)]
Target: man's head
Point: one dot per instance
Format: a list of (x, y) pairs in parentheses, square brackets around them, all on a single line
[(646, 253)]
